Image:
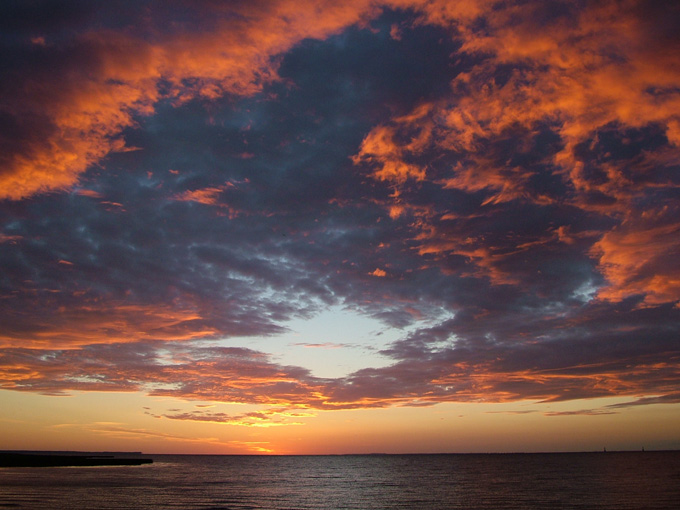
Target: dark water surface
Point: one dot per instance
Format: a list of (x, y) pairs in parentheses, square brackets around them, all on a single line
[(625, 480)]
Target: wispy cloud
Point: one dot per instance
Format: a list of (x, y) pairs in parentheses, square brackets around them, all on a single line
[(270, 417), (324, 345), (672, 398)]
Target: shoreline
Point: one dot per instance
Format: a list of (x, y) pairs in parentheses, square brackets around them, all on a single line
[(71, 459)]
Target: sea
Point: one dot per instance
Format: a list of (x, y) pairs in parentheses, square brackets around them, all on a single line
[(592, 481)]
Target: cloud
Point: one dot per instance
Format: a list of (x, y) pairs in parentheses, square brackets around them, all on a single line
[(672, 398), (236, 374), (325, 345), (597, 357), (206, 196), (497, 181), (109, 77), (112, 429), (563, 115), (581, 412), (379, 147), (270, 417), (639, 257), (380, 273)]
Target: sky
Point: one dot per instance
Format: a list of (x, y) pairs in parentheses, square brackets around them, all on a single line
[(310, 227)]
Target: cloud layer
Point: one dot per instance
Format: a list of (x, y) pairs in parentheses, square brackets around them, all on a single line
[(500, 180)]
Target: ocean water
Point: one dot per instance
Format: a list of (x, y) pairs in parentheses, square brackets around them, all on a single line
[(592, 481)]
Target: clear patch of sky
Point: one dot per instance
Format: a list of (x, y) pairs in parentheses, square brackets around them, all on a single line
[(332, 344)]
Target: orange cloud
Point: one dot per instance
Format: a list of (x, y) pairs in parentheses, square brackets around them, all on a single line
[(9, 239), (600, 69), (589, 69), (484, 259), (640, 256), (237, 375), (268, 417), (380, 147), (603, 68), (605, 64), (75, 326), (84, 110), (206, 196)]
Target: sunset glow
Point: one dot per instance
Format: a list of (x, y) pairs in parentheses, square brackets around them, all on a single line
[(340, 227)]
